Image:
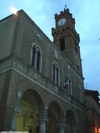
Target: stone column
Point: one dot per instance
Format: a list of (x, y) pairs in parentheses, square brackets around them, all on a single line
[(74, 131), (14, 118), (42, 124), (62, 127), (17, 110)]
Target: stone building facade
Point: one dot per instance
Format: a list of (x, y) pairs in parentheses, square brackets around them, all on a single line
[(41, 82), (93, 110)]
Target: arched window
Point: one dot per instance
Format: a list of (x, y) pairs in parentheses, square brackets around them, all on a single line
[(33, 56), (80, 94), (68, 84), (55, 73), (38, 60), (35, 60), (54, 66)]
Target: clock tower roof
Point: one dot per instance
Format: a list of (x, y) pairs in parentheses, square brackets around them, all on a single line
[(65, 14)]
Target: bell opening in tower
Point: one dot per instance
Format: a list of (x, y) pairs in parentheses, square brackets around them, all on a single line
[(62, 43)]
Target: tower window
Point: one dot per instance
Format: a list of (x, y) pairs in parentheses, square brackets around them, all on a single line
[(76, 47), (62, 43), (35, 57), (80, 94), (55, 73)]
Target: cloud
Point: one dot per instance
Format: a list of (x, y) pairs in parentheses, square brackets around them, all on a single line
[(41, 18)]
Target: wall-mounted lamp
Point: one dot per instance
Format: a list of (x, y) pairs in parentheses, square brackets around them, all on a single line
[(99, 130)]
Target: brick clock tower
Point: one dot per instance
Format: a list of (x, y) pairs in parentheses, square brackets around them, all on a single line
[(67, 39)]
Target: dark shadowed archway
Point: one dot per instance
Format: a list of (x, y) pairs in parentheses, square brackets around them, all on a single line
[(70, 121), (54, 114), (31, 107)]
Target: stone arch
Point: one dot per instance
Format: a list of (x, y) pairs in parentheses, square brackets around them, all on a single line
[(55, 116), (34, 89), (32, 108), (33, 95), (70, 121)]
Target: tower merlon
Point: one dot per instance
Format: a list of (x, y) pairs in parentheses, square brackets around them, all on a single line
[(63, 14)]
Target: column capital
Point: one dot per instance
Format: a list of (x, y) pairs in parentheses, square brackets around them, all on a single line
[(43, 118), (62, 124), (17, 110)]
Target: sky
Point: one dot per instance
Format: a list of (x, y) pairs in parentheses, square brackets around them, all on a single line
[(87, 19)]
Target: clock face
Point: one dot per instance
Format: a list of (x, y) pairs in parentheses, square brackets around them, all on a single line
[(61, 21)]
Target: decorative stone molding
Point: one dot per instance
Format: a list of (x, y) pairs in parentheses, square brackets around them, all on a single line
[(64, 113), (19, 94), (43, 118), (68, 67), (56, 54), (35, 76), (46, 106), (38, 37), (17, 110)]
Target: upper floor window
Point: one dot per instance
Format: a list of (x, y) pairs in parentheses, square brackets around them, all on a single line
[(62, 43), (68, 84), (36, 57), (76, 47), (80, 94), (55, 73)]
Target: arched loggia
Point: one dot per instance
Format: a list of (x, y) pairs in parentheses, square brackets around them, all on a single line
[(31, 109), (55, 117)]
